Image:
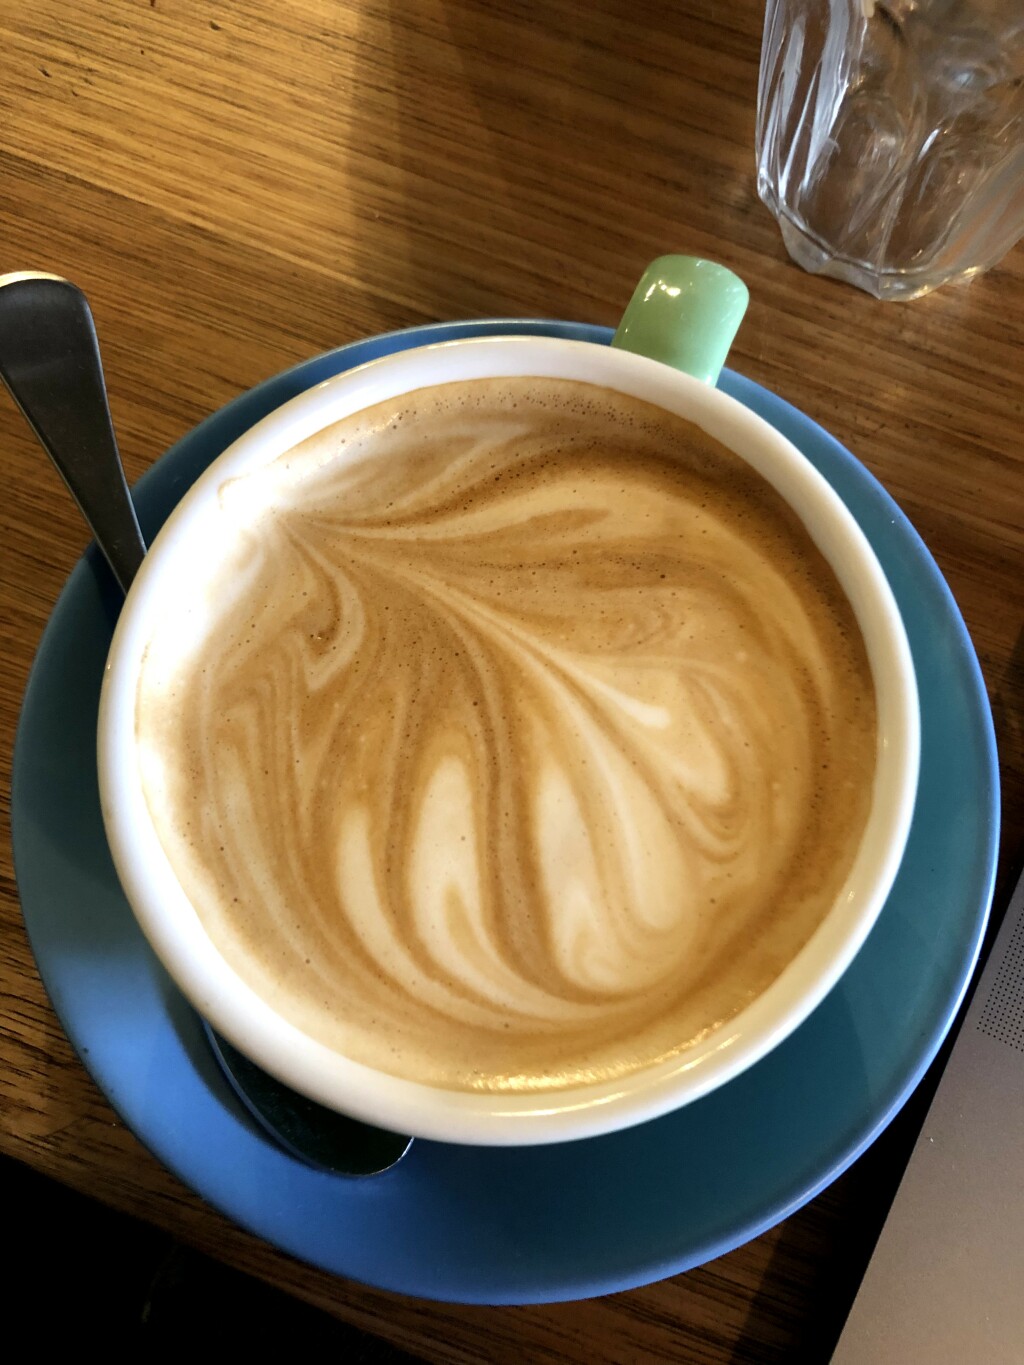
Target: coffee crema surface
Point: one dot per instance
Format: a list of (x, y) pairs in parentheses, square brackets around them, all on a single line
[(526, 738)]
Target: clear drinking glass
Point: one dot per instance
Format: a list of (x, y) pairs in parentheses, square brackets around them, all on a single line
[(890, 137)]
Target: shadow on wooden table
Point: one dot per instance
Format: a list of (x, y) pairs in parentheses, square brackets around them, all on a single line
[(90, 1275)]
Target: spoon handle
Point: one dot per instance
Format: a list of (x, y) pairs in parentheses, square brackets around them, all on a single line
[(50, 362)]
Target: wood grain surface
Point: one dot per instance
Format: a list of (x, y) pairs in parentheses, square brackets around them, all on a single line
[(240, 185)]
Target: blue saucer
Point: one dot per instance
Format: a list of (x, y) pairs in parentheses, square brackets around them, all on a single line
[(505, 1225)]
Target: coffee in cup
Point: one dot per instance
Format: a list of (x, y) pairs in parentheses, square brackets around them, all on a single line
[(527, 738)]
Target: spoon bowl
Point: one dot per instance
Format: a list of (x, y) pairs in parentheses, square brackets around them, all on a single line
[(316, 1135)]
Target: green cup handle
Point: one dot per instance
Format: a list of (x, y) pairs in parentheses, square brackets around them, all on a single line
[(684, 312)]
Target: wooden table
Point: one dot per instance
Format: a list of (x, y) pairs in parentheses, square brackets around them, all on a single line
[(240, 185)]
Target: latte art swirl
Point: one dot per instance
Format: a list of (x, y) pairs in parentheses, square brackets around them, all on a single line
[(529, 739)]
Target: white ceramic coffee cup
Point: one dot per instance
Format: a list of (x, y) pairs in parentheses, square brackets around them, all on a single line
[(188, 550)]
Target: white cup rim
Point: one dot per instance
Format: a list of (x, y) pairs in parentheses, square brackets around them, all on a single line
[(234, 1009)]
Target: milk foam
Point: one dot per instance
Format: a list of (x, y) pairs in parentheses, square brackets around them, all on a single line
[(528, 738)]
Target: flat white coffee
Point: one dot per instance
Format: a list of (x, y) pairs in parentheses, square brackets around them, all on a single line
[(527, 739)]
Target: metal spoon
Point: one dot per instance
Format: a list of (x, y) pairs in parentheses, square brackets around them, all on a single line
[(317, 1136), (50, 362)]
